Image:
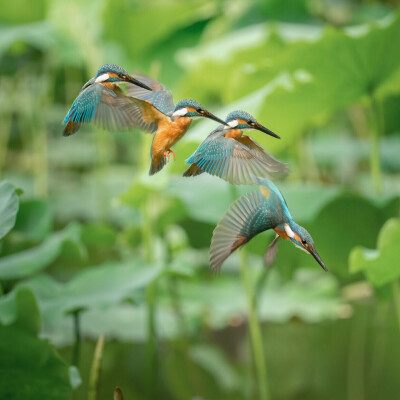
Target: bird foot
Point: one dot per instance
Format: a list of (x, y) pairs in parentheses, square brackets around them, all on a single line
[(168, 152)]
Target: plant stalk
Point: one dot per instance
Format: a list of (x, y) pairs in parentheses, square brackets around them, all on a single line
[(396, 299), (77, 337), (376, 131), (255, 329), (95, 369), (151, 289)]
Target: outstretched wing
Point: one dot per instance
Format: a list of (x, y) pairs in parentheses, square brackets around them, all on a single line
[(275, 167), (151, 106), (246, 217), (232, 160), (108, 108)]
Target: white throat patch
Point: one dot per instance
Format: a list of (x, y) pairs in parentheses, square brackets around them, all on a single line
[(102, 78), (233, 123), (289, 231), (180, 113)]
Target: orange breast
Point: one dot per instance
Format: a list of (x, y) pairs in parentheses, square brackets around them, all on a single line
[(282, 234), (169, 132), (233, 133)]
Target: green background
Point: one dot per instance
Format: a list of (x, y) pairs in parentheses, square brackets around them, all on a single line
[(91, 245)]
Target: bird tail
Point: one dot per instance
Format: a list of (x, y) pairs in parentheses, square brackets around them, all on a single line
[(71, 128), (157, 164), (234, 229), (193, 170)]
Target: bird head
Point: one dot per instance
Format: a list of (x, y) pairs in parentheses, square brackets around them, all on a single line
[(303, 240), (243, 120), (114, 73), (192, 109)]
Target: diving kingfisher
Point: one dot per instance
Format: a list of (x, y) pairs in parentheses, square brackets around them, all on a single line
[(252, 214), (156, 112), (232, 156), (101, 100)]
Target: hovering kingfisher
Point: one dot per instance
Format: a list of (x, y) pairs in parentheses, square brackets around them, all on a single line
[(232, 156), (252, 214), (101, 100), (156, 112)]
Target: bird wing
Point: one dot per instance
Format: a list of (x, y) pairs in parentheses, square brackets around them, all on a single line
[(272, 250), (269, 190), (246, 217), (109, 108), (151, 105), (232, 160), (275, 167)]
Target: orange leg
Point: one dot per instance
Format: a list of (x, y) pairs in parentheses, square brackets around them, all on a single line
[(168, 152), (172, 152)]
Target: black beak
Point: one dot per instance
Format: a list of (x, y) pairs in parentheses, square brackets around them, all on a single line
[(266, 130), (318, 258), (215, 118), (131, 79)]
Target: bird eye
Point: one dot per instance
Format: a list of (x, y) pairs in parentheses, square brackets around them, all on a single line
[(200, 111), (304, 241), (250, 123)]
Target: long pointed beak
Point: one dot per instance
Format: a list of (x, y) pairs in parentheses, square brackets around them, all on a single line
[(318, 258), (267, 131), (215, 118), (131, 79)]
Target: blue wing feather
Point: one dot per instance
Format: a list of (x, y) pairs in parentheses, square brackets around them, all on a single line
[(231, 159), (109, 108), (248, 216), (160, 96)]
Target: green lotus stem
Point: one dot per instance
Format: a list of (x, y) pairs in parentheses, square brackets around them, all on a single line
[(40, 161), (95, 369), (255, 329), (6, 131), (396, 299), (254, 323), (376, 131), (77, 337), (151, 289)]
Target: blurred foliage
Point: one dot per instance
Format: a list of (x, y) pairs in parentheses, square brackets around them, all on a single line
[(90, 244)]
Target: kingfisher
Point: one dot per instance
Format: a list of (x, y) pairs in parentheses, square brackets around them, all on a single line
[(233, 156), (252, 214), (156, 112), (102, 100)]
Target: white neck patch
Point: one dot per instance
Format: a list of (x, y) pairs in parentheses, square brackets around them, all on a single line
[(102, 78), (180, 113), (289, 231), (233, 123)]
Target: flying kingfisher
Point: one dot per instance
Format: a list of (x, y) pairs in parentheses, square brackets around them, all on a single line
[(232, 156), (101, 100), (252, 214), (156, 112)]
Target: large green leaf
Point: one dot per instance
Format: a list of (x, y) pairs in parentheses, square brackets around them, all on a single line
[(9, 203), (123, 322), (29, 367), (134, 34), (382, 265), (92, 288), (312, 296), (21, 11), (300, 82), (34, 219), (342, 224), (27, 262)]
